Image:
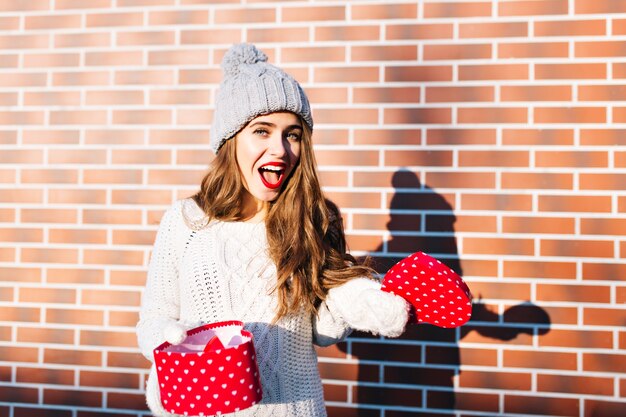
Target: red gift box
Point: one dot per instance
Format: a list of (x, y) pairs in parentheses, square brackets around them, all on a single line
[(212, 372), (436, 293)]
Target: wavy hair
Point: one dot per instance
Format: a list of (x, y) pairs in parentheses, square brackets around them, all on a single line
[(309, 263)]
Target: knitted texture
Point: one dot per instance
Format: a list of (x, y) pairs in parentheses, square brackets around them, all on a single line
[(208, 272), (252, 87)]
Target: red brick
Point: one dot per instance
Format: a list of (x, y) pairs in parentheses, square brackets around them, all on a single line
[(350, 372), (461, 137), (570, 71), (552, 406), (388, 396), (418, 158), (493, 30), (601, 6), (384, 11), (114, 19), (309, 14), (493, 115), (349, 116), (493, 158), (573, 293), (603, 226), (495, 380), (347, 158), (45, 335), (71, 397), (459, 94), (604, 317), (210, 36), (457, 52), (75, 276), (604, 362), (493, 72), (539, 269), (314, 54), (113, 257), (72, 357), (178, 57), (533, 50), (141, 197), (458, 10), (536, 93), (107, 338), (45, 376), (66, 316), (529, 180), (603, 271), (82, 40), (578, 203), (501, 290), (578, 339), (570, 28), (328, 95), (536, 224), (21, 156), (346, 74), (290, 34), (13, 394), (384, 137), (126, 401), (573, 159), (109, 379), (131, 360), (498, 246), (82, 78), (499, 202), (570, 115), (334, 33), (20, 314), (178, 17), (29, 412), (47, 295), (417, 116), (533, 8), (419, 31), (420, 73), (165, 137), (48, 255), (535, 359), (384, 53), (577, 248), (599, 408)]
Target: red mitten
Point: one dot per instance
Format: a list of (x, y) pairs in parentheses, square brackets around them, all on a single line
[(436, 293)]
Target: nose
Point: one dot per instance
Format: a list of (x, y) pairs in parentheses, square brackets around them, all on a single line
[(277, 145)]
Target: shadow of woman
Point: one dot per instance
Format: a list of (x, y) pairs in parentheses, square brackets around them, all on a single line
[(418, 369)]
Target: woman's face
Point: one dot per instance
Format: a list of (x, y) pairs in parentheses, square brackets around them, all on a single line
[(267, 150)]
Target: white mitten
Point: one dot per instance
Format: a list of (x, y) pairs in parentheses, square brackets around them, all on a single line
[(362, 305), (174, 333)]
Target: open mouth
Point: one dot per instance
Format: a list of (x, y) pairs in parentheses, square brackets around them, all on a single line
[(272, 174)]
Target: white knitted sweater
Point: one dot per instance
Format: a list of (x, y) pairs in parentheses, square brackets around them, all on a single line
[(222, 272)]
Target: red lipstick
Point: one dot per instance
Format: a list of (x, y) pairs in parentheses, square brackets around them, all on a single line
[(272, 174)]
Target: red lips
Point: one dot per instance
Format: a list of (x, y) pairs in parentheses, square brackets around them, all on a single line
[(272, 174)]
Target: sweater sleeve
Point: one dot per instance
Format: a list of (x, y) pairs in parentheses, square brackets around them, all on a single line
[(329, 328), (160, 299)]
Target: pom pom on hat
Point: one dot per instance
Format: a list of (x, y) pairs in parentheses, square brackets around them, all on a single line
[(241, 54)]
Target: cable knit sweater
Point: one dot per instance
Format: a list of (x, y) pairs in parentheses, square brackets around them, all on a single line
[(203, 273)]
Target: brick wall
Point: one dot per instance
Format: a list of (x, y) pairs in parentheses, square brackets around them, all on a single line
[(490, 134)]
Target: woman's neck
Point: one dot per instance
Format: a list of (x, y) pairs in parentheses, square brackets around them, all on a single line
[(254, 210)]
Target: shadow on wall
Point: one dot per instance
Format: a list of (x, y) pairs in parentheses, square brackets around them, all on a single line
[(425, 360)]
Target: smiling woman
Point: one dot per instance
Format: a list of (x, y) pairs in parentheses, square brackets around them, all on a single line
[(261, 245)]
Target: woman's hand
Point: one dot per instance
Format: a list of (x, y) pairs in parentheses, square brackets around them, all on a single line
[(363, 306)]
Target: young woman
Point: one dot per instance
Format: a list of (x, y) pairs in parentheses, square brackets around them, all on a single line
[(259, 243)]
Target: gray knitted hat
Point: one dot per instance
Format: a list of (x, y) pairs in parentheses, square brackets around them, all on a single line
[(251, 88)]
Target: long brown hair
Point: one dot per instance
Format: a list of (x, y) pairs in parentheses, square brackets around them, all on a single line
[(309, 263)]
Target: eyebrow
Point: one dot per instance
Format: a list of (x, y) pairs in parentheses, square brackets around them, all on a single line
[(269, 124)]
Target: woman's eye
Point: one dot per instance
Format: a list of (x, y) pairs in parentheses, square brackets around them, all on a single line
[(262, 132), (294, 137)]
